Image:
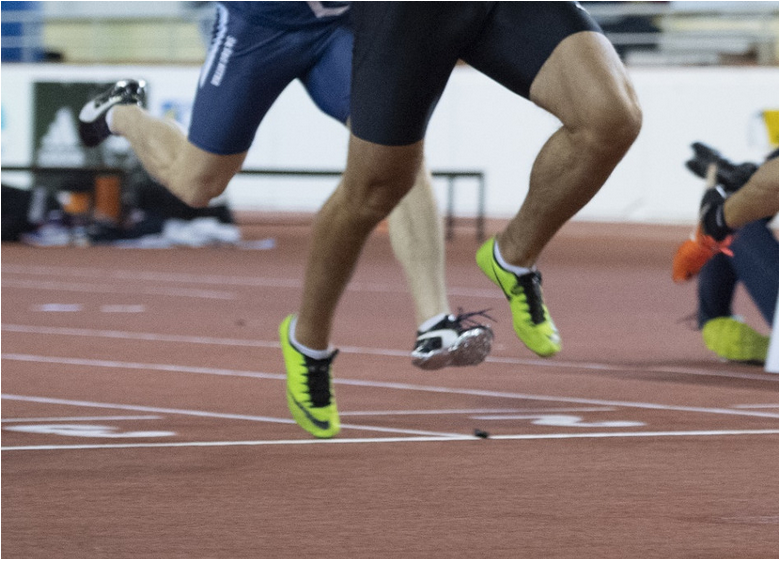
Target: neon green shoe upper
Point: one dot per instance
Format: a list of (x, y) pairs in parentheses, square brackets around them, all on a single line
[(309, 388), (732, 339), (532, 322)]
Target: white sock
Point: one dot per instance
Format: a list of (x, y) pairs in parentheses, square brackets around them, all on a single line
[(312, 353), (519, 271), (430, 323)]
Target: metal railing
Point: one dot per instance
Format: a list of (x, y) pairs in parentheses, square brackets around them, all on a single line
[(452, 176)]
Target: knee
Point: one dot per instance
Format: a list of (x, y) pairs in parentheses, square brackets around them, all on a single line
[(377, 178), (613, 124), (379, 197), (197, 192), (378, 203)]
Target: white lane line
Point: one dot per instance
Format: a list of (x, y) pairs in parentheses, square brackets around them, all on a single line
[(473, 411), (157, 337), (123, 309), (387, 385), (759, 406), (209, 414), (643, 434), (579, 400), (151, 276), (199, 340), (143, 366), (73, 419), (105, 289), (58, 308), (333, 441), (572, 421), (82, 430), (222, 280)]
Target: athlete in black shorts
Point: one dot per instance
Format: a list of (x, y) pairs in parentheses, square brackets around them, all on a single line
[(551, 53)]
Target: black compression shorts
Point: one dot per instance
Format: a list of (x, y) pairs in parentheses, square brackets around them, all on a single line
[(404, 53)]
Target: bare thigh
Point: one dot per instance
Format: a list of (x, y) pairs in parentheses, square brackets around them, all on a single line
[(583, 82)]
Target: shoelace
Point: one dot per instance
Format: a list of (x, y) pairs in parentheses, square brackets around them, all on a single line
[(318, 381), (531, 285), (467, 317), (138, 94)]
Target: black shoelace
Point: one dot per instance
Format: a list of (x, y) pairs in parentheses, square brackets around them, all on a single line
[(464, 320), (318, 381), (531, 285)]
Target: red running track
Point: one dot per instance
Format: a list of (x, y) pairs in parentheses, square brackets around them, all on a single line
[(144, 414)]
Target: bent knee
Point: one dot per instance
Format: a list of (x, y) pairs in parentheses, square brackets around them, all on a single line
[(613, 123), (197, 192), (196, 176)]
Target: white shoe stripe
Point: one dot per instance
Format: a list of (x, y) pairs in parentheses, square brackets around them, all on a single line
[(90, 112)]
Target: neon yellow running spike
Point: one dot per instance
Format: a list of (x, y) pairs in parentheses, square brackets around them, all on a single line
[(532, 322), (732, 339), (309, 388)]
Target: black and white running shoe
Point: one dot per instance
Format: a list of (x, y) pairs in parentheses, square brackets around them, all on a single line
[(454, 341), (93, 128)]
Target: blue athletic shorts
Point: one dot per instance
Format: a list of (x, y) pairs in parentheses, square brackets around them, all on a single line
[(249, 65)]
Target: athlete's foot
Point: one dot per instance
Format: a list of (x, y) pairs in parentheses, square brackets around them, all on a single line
[(734, 340), (93, 128), (454, 341), (532, 321), (309, 387)]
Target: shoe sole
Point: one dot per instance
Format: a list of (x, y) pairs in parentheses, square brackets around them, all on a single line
[(470, 349)]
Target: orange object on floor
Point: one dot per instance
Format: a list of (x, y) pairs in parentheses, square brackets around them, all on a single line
[(108, 202)]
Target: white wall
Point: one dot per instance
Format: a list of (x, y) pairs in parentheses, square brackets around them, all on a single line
[(478, 125)]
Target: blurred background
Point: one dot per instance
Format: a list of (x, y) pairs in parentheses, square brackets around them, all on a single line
[(645, 33), (704, 71)]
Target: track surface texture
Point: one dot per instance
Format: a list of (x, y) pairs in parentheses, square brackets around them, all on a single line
[(144, 413)]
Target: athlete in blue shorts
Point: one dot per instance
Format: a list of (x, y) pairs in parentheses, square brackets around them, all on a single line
[(551, 53), (257, 50)]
